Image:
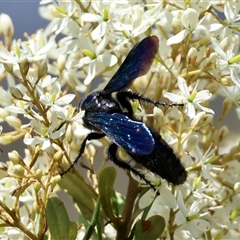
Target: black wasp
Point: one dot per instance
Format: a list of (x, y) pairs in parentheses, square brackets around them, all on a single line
[(112, 116)]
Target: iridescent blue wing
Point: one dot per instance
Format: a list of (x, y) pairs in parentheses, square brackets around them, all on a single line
[(136, 64), (132, 136)]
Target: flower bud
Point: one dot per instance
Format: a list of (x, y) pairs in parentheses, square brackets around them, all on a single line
[(55, 180), (92, 150), (14, 122), (38, 173), (6, 139), (213, 57), (236, 187), (69, 134), (16, 93), (58, 156), (226, 81), (222, 133), (42, 68), (3, 113), (24, 67), (6, 25), (201, 119), (8, 67), (14, 157), (6, 28), (18, 170), (192, 55), (37, 186), (61, 62)]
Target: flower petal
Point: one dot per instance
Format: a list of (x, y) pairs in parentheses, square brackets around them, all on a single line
[(190, 110), (190, 19), (99, 31), (89, 17), (91, 73), (183, 87), (167, 197), (178, 37), (173, 97), (108, 59), (65, 99)]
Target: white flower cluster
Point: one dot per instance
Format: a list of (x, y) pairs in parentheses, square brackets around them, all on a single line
[(197, 64)]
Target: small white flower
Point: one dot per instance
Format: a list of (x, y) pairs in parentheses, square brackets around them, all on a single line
[(131, 25), (52, 98), (68, 114), (206, 160), (195, 225), (231, 21), (95, 61), (65, 11), (190, 22), (192, 100), (227, 61), (47, 134), (105, 13)]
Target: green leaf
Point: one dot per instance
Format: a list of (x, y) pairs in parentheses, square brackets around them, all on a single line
[(95, 219), (81, 193), (105, 186), (118, 201), (58, 221), (150, 229)]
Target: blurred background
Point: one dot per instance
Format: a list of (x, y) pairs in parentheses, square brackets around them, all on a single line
[(24, 15)]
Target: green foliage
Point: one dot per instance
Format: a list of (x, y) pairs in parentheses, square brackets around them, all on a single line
[(58, 221)]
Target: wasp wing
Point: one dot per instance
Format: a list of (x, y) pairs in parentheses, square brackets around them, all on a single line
[(136, 64), (132, 136)]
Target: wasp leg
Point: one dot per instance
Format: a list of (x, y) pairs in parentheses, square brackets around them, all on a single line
[(89, 137), (112, 154), (123, 95)]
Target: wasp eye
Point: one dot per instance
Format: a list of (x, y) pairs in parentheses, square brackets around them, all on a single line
[(88, 99)]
